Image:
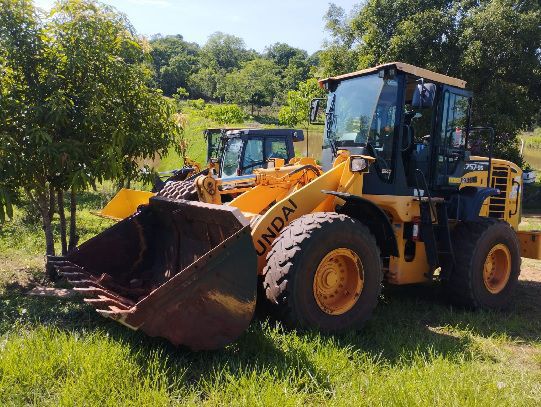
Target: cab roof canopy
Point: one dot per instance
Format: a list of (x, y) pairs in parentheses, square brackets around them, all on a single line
[(401, 66), (297, 135)]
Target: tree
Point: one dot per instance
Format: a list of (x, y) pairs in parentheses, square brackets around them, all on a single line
[(181, 94), (175, 74), (492, 44), (76, 106), (297, 71), (224, 51), (174, 60), (297, 106), (255, 84), (282, 54), (204, 82)]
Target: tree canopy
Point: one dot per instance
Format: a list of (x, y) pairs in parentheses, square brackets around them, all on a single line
[(296, 108), (255, 84), (493, 44), (76, 106), (174, 60), (223, 68)]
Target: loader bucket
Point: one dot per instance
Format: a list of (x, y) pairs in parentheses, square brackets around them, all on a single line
[(184, 271), (125, 203)]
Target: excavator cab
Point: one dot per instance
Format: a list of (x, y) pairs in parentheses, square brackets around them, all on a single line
[(230, 153), (414, 122)]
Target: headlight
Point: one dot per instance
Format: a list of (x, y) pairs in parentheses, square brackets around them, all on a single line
[(358, 164)]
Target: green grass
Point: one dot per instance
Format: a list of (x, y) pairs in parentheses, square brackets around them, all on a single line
[(193, 133), (416, 350), (532, 148), (197, 147)]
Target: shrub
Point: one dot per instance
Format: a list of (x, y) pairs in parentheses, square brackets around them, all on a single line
[(224, 114), (198, 104)]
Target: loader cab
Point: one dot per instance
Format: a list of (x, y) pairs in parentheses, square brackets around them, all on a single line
[(215, 138), (249, 149), (414, 122)]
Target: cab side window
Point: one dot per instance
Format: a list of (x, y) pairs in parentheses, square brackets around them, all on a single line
[(253, 156), (455, 114), (276, 149)]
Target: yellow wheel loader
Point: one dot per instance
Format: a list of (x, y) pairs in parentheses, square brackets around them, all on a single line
[(408, 197), (231, 153)]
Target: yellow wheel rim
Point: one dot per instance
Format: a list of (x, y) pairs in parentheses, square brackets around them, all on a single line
[(497, 268), (338, 281)]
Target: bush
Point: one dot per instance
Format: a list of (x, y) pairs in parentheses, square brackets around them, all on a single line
[(533, 142), (198, 104), (224, 114), (181, 94)]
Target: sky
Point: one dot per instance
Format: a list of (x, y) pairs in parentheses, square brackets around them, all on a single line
[(259, 22)]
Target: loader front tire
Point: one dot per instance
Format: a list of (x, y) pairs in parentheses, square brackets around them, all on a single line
[(324, 272), (487, 257), (179, 190)]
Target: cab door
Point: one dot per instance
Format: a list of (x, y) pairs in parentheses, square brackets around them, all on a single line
[(253, 156), (214, 144), (449, 148)]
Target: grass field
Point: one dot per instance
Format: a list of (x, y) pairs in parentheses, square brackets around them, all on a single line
[(416, 350), (532, 148)]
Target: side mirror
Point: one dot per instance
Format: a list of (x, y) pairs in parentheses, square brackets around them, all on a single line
[(315, 106), (314, 109)]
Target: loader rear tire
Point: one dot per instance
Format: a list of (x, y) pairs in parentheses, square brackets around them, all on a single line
[(487, 257), (308, 248), (179, 190)]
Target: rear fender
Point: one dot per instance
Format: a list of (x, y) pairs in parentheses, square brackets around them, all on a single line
[(466, 204)]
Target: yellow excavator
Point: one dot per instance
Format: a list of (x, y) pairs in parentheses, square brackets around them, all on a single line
[(406, 196)]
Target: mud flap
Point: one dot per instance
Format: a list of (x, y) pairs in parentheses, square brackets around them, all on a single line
[(184, 271)]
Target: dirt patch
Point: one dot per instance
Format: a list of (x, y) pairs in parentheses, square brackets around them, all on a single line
[(21, 274), (51, 292), (531, 270), (525, 357)]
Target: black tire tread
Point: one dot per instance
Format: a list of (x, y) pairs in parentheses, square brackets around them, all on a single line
[(459, 286), (285, 251), (179, 190)]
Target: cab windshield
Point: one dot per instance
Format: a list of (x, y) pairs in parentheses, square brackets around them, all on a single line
[(362, 112), (230, 160)]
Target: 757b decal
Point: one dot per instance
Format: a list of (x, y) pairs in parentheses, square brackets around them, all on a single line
[(476, 166)]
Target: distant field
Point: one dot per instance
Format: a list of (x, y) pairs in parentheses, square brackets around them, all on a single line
[(532, 148), (417, 350)]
